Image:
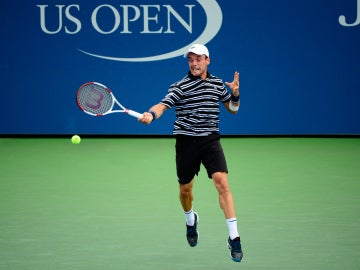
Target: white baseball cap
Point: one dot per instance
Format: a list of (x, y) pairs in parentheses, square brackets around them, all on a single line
[(198, 49)]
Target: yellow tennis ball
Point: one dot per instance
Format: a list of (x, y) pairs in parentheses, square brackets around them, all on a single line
[(75, 139)]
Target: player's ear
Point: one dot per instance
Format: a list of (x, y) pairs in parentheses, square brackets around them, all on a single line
[(207, 60)]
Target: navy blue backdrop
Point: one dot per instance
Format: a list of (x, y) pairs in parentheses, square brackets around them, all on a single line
[(299, 62)]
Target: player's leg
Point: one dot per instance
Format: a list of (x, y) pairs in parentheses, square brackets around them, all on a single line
[(215, 163), (225, 196), (187, 166), (186, 195), (227, 205), (186, 199)]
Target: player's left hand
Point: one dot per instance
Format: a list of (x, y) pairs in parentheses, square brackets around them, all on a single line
[(235, 84)]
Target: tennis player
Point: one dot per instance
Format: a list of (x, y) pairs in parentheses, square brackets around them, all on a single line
[(196, 99)]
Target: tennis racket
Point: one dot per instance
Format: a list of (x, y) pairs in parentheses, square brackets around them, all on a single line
[(96, 99)]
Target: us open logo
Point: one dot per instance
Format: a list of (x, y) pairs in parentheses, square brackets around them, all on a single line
[(142, 20)]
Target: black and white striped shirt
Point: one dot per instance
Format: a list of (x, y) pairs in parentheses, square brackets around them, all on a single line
[(196, 102)]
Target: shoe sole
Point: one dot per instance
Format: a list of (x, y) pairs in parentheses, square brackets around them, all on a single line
[(197, 222)]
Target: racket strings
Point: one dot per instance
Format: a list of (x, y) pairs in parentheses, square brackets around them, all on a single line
[(94, 99)]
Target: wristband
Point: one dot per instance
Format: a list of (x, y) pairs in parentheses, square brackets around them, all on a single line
[(233, 107), (153, 115), (235, 99)]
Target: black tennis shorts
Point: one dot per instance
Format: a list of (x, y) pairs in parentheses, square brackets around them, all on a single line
[(191, 151)]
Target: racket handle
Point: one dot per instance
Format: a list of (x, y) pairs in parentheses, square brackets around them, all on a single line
[(134, 114)]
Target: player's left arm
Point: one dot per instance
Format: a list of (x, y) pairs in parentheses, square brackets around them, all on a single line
[(234, 103)]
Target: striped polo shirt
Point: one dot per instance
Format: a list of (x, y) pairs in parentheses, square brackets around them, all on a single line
[(196, 102)]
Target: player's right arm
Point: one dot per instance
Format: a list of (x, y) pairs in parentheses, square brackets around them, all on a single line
[(154, 113)]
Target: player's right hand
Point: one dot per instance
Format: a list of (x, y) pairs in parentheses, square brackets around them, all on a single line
[(146, 118)]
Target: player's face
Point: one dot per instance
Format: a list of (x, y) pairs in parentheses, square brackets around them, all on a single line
[(198, 65)]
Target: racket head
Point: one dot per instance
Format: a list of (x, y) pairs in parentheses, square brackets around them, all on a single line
[(95, 99)]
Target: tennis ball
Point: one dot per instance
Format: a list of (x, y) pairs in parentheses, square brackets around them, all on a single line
[(75, 139)]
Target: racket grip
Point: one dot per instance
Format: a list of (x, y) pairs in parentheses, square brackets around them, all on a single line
[(134, 114)]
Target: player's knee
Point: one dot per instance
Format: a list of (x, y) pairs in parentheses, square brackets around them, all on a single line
[(186, 189), (219, 177), (221, 181)]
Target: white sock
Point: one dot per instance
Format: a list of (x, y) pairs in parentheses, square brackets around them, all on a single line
[(232, 225), (190, 217)]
